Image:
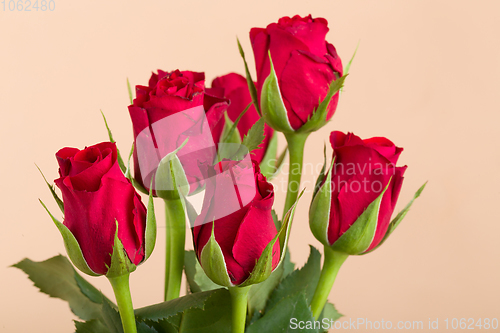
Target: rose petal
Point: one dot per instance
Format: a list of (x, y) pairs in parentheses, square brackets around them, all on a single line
[(357, 193), (387, 205), (260, 44), (255, 232), (311, 32), (304, 83), (63, 159)]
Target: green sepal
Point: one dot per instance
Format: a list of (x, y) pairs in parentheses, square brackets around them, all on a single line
[(263, 268), (276, 220), (128, 172), (271, 102), (191, 212), (251, 85), (268, 165), (358, 238), (231, 139), (230, 132), (197, 280), (213, 263), (288, 265), (119, 158), (319, 211), (120, 262), (397, 220), (53, 191), (150, 232), (318, 118), (348, 67), (72, 247), (170, 174), (321, 175), (130, 95)]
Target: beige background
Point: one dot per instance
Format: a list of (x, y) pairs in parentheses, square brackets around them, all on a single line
[(425, 76)]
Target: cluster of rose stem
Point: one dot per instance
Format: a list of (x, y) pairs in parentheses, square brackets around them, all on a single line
[(121, 289), (175, 220), (174, 259)]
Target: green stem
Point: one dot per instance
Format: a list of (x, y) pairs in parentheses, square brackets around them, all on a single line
[(175, 241), (124, 300), (296, 142), (331, 266), (239, 301)]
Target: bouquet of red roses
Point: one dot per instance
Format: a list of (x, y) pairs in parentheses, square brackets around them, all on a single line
[(222, 142)]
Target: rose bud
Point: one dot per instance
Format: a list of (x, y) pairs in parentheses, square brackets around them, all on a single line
[(235, 237), (106, 228), (353, 203), (298, 73), (235, 89), (173, 111)]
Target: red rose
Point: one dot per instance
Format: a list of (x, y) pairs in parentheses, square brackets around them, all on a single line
[(97, 197), (174, 107), (361, 171), (236, 90), (304, 63), (243, 232)]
